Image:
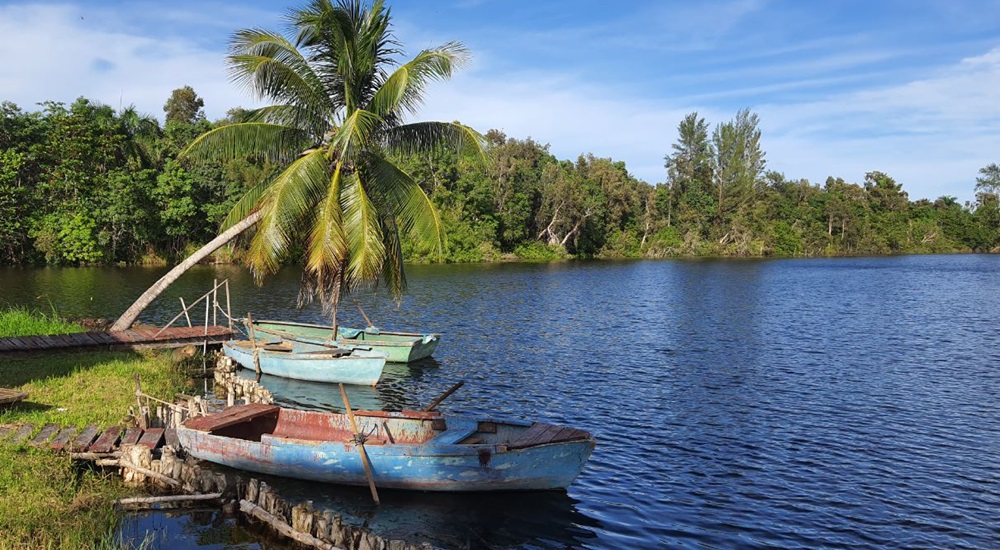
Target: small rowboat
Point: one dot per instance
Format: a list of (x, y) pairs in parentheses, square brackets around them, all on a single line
[(406, 450), (401, 347), (312, 362)]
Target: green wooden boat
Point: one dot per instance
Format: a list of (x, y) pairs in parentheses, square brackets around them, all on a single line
[(401, 347)]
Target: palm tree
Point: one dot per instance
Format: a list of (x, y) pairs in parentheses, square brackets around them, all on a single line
[(339, 116)]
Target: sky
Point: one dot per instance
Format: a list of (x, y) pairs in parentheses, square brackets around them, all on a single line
[(910, 88)]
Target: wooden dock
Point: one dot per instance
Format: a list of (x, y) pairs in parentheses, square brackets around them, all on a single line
[(91, 439), (134, 338)]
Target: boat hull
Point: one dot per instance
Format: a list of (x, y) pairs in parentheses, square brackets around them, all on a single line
[(448, 466), (361, 367), (400, 347)]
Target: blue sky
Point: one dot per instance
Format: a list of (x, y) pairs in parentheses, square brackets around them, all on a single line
[(842, 87)]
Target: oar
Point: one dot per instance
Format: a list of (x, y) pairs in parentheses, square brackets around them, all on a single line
[(444, 396), (367, 320), (361, 445)]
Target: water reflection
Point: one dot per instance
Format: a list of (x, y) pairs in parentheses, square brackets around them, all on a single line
[(547, 519), (390, 394)]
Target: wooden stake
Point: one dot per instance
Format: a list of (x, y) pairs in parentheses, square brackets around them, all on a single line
[(253, 342), (280, 526), (170, 498)]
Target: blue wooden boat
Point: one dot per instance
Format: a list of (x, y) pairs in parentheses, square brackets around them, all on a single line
[(312, 362), (407, 450)]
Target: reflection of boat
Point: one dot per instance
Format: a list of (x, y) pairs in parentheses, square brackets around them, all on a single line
[(406, 450), (313, 396), (305, 361), (401, 347)]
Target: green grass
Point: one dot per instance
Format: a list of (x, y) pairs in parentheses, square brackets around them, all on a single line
[(47, 501), (21, 321)]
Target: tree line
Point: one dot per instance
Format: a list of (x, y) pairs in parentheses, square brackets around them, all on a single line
[(88, 184)]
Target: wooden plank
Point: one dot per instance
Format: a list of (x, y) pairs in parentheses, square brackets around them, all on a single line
[(230, 416), (23, 434), (151, 438), (106, 441), (60, 441), (102, 337), (144, 334), (131, 436), (44, 435), (48, 342), (93, 338), (85, 438), (65, 340), (18, 343), (170, 435), (533, 435), (8, 396), (31, 342)]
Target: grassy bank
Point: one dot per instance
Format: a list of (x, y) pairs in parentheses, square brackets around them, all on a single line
[(46, 501)]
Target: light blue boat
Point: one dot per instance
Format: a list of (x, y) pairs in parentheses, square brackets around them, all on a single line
[(407, 450), (311, 362)]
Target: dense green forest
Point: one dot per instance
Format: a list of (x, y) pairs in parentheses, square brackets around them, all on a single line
[(86, 184)]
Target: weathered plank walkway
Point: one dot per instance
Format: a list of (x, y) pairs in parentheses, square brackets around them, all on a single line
[(141, 337), (91, 439)]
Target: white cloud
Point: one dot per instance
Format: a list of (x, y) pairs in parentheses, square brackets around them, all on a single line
[(52, 54)]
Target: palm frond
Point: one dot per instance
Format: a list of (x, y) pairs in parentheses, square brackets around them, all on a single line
[(292, 116), (406, 202), (403, 92), (246, 204), (423, 137), (364, 235), (326, 251), (354, 135), (270, 67), (249, 139), (393, 273), (285, 205)]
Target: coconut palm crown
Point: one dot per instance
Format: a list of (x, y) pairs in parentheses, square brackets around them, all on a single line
[(340, 102)]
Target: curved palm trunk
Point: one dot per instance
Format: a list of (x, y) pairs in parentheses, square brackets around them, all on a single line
[(132, 313)]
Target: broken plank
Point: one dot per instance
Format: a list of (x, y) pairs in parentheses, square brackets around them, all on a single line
[(131, 436), (60, 441), (151, 438), (23, 433), (85, 438), (44, 435), (106, 441)]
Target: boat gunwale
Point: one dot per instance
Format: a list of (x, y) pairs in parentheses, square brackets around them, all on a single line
[(324, 327)]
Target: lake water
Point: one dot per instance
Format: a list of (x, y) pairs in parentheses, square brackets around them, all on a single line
[(836, 403)]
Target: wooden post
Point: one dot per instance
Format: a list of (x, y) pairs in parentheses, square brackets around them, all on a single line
[(215, 302), (253, 342), (185, 310), (138, 401), (229, 311)]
